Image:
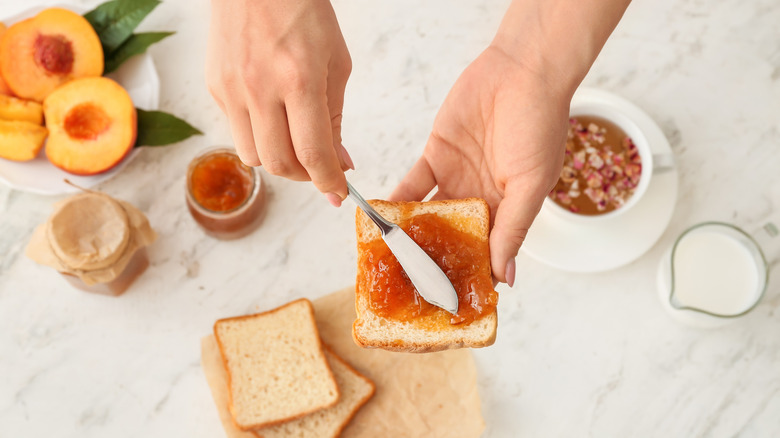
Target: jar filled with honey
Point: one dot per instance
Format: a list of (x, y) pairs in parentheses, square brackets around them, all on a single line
[(224, 196)]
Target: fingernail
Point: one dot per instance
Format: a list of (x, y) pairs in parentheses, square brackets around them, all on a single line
[(509, 273), (334, 199), (346, 158)]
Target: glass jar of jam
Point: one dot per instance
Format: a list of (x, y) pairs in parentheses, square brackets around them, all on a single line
[(135, 267), (96, 242), (224, 196)]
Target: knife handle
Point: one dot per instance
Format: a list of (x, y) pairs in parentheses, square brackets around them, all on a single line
[(384, 225)]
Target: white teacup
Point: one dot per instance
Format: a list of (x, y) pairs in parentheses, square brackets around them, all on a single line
[(624, 114)]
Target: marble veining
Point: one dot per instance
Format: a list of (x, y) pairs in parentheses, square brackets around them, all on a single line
[(576, 354)]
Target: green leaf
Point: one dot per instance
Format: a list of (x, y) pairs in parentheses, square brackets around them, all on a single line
[(156, 128), (135, 45), (115, 21)]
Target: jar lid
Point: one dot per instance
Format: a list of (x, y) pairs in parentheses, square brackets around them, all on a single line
[(89, 231), (92, 236)]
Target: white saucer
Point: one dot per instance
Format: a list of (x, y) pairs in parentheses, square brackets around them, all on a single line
[(138, 76), (614, 242)]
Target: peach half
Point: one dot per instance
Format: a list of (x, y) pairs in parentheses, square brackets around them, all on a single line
[(41, 53), (92, 125), (20, 140)]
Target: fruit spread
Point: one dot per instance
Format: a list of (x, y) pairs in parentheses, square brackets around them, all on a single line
[(601, 168), (224, 196), (464, 258), (220, 182)]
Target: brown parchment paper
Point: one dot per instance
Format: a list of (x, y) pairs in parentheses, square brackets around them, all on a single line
[(430, 395)]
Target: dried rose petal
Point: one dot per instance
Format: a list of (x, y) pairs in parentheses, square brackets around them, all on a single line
[(568, 174), (579, 160), (595, 195), (596, 161), (594, 179), (633, 169), (563, 198)]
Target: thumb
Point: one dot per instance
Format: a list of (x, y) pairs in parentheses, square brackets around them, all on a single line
[(514, 216)]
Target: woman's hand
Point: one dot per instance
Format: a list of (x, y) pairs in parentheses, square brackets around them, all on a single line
[(278, 70), (499, 135)]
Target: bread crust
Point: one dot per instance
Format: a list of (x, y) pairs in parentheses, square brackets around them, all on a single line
[(429, 347), (470, 215), (251, 427)]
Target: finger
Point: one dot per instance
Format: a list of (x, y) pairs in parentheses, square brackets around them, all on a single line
[(272, 142), (514, 216), (440, 196), (241, 129), (344, 158), (312, 139), (416, 185), (337, 82), (219, 102)]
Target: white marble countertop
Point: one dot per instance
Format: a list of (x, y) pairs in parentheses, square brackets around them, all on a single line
[(576, 355)]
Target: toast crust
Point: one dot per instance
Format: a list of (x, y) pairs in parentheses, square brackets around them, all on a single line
[(434, 332), (251, 427), (427, 347)]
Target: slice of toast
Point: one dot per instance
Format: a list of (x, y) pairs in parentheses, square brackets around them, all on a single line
[(216, 377), (276, 367), (434, 331), (355, 391)]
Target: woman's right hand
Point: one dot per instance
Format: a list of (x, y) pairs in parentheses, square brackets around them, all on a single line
[(278, 70)]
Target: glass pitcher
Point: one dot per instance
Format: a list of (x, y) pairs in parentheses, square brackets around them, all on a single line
[(715, 272)]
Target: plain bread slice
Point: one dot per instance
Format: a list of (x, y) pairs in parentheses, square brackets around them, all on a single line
[(276, 367)]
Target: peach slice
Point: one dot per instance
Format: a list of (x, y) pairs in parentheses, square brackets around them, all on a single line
[(20, 140), (43, 52), (5, 90), (92, 125), (12, 108)]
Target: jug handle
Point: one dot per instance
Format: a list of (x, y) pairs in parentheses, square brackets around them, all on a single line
[(768, 238)]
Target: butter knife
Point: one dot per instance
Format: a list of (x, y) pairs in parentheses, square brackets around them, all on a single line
[(426, 276)]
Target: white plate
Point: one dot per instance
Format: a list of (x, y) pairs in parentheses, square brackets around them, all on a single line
[(138, 76), (603, 245)]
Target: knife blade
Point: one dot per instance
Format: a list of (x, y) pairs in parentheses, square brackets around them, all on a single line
[(426, 276)]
